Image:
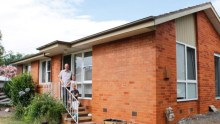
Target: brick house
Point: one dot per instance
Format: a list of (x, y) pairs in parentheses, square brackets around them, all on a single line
[(135, 71)]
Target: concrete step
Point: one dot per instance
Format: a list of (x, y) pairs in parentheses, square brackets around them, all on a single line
[(87, 118), (81, 119), (2, 93), (82, 108), (83, 113), (5, 100), (6, 103), (87, 123), (3, 96)]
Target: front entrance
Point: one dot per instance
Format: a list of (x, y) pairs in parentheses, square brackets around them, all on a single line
[(81, 66)]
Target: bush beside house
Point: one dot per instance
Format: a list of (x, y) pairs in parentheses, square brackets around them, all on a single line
[(28, 106)]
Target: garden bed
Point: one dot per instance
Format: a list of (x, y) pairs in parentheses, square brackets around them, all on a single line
[(209, 118)]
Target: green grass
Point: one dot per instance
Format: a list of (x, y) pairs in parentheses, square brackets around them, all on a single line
[(10, 120)]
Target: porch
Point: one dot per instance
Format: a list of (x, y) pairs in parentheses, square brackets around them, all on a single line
[(83, 112)]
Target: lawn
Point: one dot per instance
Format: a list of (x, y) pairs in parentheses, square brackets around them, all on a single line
[(7, 117), (10, 120)]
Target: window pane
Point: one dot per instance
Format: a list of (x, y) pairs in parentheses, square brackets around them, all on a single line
[(78, 66), (217, 76), (79, 89), (88, 65), (48, 66), (43, 72), (191, 74), (88, 90), (181, 90), (67, 59), (180, 61), (191, 90), (29, 68), (48, 77)]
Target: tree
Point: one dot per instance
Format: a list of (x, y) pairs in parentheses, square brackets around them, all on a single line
[(2, 50), (9, 57), (0, 35), (8, 71)]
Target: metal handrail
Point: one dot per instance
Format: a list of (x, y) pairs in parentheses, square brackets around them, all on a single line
[(70, 103)]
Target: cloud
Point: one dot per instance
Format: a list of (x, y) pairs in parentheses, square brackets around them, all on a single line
[(216, 4), (28, 24)]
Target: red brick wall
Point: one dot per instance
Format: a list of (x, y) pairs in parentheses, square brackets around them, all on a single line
[(87, 103), (19, 69), (56, 62), (35, 71), (208, 44), (166, 59), (124, 80)]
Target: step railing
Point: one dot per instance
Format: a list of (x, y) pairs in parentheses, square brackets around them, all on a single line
[(48, 88), (70, 103)]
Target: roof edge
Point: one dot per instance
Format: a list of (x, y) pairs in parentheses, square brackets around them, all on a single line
[(127, 25), (53, 43), (27, 57)]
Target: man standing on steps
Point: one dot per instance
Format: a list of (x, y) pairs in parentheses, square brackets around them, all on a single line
[(65, 76)]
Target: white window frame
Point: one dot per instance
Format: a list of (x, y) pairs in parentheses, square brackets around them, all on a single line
[(216, 55), (82, 73), (186, 76), (40, 70), (29, 68)]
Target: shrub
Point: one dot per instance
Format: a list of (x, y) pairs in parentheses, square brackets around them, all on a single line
[(44, 108), (20, 89), (6, 89), (19, 111)]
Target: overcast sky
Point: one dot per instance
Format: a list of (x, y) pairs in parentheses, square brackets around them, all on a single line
[(28, 24)]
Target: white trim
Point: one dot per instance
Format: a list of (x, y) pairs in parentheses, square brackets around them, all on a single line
[(40, 71), (85, 98), (119, 34), (185, 100), (28, 68), (186, 76), (186, 44), (82, 82), (171, 16), (216, 55)]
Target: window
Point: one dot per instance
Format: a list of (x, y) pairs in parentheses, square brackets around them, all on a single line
[(45, 71), (186, 72), (83, 73), (26, 68), (217, 75)]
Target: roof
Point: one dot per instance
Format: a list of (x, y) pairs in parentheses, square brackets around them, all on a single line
[(138, 26), (27, 57), (52, 43), (115, 29)]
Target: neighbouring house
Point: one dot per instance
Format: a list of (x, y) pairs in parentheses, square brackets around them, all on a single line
[(135, 71)]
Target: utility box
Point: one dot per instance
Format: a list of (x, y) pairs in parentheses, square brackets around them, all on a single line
[(114, 121)]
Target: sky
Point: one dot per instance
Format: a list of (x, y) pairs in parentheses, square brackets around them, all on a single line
[(28, 24)]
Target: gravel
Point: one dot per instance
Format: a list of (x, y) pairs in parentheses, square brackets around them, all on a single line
[(209, 118)]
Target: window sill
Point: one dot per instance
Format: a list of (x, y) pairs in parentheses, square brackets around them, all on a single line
[(86, 98), (186, 100), (45, 83), (217, 98)]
